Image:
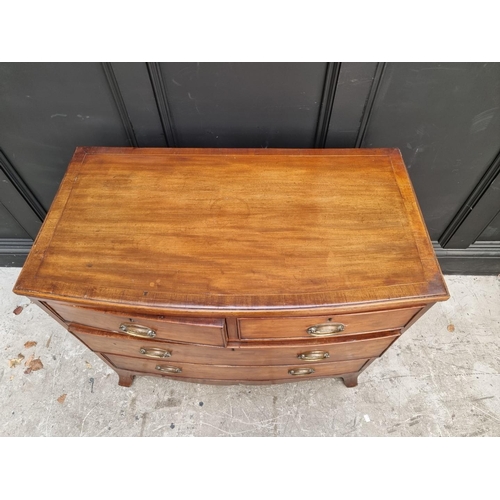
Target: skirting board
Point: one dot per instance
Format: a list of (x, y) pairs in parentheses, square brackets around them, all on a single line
[(480, 258), (13, 251)]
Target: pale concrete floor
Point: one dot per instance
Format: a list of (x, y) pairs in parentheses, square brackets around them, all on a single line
[(432, 382)]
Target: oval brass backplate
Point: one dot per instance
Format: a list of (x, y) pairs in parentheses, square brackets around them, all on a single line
[(325, 329), (137, 330), (155, 353), (301, 371), (313, 355), (168, 369)]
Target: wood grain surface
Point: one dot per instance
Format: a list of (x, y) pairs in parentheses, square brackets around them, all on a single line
[(207, 331), (368, 346), (224, 372), (233, 230), (296, 327)]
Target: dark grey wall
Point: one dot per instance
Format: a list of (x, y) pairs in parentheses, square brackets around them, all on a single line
[(9, 227), (232, 105), (492, 232), (45, 110), (444, 117)]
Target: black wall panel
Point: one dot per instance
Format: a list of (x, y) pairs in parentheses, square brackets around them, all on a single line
[(492, 232), (9, 227), (262, 105), (46, 110), (353, 89), (134, 85), (445, 118)]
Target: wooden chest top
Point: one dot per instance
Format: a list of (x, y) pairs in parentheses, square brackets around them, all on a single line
[(234, 230)]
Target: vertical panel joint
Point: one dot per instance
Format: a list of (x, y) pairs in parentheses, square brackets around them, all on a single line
[(120, 103), (327, 101), (363, 126), (161, 98)]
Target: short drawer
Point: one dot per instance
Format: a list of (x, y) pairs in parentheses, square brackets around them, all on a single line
[(233, 373), (339, 349), (334, 325), (190, 330)]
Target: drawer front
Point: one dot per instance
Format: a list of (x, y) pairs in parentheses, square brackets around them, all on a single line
[(190, 330), (234, 373), (324, 326), (311, 353)]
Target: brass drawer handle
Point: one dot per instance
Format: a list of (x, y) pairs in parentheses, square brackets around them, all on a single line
[(313, 355), (137, 330), (301, 371), (155, 353), (325, 329), (168, 369)]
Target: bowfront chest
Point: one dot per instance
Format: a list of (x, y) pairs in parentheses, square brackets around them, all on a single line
[(234, 265)]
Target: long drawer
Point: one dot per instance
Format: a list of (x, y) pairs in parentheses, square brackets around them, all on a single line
[(234, 373), (324, 326), (205, 331), (368, 346)]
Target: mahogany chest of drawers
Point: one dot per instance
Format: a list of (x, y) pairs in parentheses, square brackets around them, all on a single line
[(234, 265)]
